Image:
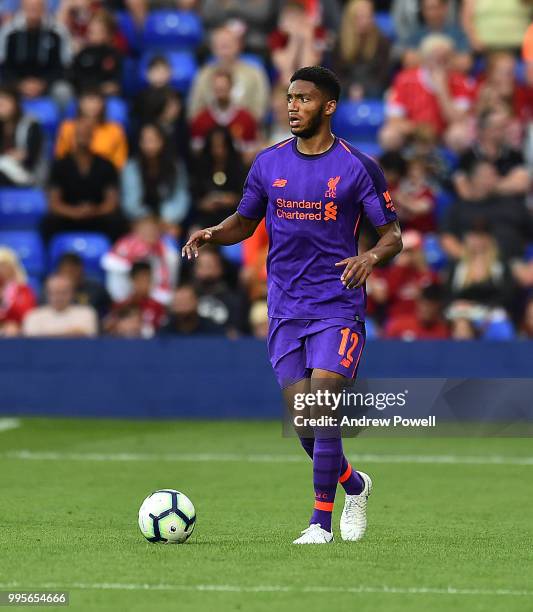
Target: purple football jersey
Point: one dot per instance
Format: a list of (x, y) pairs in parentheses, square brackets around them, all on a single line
[(313, 206)]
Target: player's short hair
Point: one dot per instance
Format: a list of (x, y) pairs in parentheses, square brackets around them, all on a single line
[(323, 78)]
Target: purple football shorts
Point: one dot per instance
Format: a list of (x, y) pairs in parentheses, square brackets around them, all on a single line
[(297, 346)]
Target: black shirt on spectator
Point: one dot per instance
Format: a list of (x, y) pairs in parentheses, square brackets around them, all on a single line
[(77, 188), (508, 160), (507, 218)]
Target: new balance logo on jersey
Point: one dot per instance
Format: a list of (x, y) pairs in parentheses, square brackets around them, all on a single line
[(332, 187), (330, 212), (279, 183), (388, 201)]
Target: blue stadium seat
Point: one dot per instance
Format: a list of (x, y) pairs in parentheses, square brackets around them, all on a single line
[(172, 30), (45, 110), (116, 110), (183, 64), (385, 23), (89, 246), (435, 256), (233, 253), (128, 28), (130, 80), (528, 255), (29, 247), (369, 147), (21, 208), (359, 121)]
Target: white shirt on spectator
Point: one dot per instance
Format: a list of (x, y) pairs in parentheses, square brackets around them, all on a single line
[(75, 320)]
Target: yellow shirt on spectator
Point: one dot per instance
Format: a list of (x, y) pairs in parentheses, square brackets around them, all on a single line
[(109, 141)]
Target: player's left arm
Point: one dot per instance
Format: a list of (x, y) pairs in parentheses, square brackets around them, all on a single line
[(358, 269)]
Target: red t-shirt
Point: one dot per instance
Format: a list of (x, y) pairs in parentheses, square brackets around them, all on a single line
[(15, 301), (152, 311), (404, 284), (412, 97), (239, 121), (408, 327)]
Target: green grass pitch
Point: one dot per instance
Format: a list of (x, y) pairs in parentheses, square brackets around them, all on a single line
[(439, 519)]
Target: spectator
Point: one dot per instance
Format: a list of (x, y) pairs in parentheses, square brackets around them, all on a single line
[(138, 9), (499, 88), (363, 54), (259, 319), (279, 128), (16, 297), (492, 146), (21, 143), (149, 103), (463, 329), (399, 286), (426, 324), (161, 104), (98, 64), (492, 25), (86, 290), (436, 20), (59, 316), (526, 329), (75, 16), (146, 242), (527, 54), (184, 319), (218, 179), (416, 198), (222, 112), (83, 191), (432, 95), (34, 52), (406, 14), (250, 89), (127, 322), (480, 276), (217, 301), (153, 183), (297, 41), (506, 217), (108, 138), (252, 19), (152, 311)]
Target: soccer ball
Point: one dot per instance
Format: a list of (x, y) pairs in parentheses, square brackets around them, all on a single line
[(167, 516)]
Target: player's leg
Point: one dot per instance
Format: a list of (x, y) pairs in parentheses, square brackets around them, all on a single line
[(334, 352)]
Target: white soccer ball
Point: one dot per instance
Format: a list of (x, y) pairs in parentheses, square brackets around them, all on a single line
[(167, 516)]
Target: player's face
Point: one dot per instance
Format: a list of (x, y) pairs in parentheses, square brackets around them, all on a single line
[(308, 108)]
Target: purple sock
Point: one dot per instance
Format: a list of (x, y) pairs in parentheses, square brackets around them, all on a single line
[(327, 460), (308, 445), (351, 481)]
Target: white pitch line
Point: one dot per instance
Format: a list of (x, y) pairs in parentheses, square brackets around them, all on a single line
[(229, 588), (7, 424), (261, 458)]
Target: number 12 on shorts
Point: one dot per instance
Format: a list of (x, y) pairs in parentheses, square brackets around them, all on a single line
[(345, 352)]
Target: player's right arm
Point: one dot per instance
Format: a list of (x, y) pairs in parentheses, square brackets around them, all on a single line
[(235, 228), (241, 224)]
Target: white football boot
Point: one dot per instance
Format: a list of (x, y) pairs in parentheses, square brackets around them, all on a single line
[(314, 534), (353, 517)]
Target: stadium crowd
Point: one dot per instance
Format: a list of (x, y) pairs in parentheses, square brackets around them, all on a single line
[(138, 120)]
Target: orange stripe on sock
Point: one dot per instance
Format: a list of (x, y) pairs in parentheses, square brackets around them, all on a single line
[(344, 477), (326, 506)]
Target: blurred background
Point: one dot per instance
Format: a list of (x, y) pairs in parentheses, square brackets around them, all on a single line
[(127, 124)]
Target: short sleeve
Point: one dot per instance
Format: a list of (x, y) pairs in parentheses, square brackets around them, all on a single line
[(396, 105), (254, 197), (375, 197)]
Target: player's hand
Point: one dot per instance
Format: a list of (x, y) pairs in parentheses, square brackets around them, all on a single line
[(198, 239), (357, 269)]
